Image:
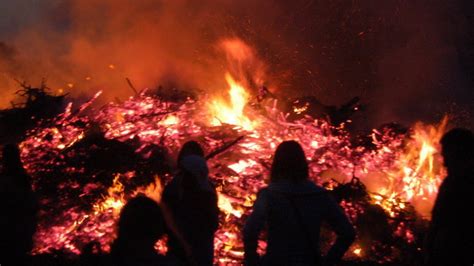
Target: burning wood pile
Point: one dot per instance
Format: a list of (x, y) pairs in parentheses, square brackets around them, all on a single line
[(87, 162)]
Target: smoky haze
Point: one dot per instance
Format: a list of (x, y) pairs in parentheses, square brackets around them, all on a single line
[(407, 60)]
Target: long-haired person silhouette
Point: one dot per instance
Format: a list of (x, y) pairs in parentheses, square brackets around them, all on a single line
[(192, 202), (140, 226), (293, 209)]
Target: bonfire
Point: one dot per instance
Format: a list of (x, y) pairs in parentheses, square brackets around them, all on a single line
[(88, 161)]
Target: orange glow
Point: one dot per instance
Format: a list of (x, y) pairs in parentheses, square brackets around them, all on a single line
[(153, 190), (418, 172), (225, 205), (241, 165), (114, 200), (357, 252), (110, 206), (169, 121), (232, 112), (401, 172), (237, 50)]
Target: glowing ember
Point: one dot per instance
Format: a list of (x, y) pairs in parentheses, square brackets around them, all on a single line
[(225, 205), (170, 120), (401, 171), (357, 252), (395, 167)]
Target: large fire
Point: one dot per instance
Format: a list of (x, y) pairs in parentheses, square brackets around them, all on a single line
[(399, 171)]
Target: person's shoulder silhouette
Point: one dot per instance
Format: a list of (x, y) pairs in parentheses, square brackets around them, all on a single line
[(192, 201), (292, 209), (451, 235), (458, 153), (18, 205), (140, 226), (172, 191)]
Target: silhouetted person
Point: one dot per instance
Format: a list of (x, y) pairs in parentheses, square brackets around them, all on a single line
[(293, 208), (192, 201), (18, 209), (174, 188), (190, 148), (450, 239), (140, 226)]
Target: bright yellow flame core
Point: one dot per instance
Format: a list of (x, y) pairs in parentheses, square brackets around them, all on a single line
[(114, 200), (225, 205), (357, 251), (232, 113), (424, 146), (170, 120)]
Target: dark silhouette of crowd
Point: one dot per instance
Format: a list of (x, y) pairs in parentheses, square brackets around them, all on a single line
[(291, 210)]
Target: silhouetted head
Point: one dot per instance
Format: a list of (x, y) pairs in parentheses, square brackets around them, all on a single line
[(194, 171), (141, 223), (458, 149), (190, 148), (289, 163), (11, 159)]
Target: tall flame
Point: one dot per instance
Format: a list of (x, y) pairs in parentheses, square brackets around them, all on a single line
[(232, 112)]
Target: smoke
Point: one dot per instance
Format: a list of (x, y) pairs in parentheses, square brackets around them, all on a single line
[(406, 59), (84, 46), (418, 69)]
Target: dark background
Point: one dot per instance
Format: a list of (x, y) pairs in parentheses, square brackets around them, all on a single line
[(408, 60)]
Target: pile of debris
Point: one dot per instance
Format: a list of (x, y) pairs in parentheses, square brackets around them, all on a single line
[(86, 165)]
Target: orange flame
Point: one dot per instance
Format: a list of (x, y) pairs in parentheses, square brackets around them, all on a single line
[(153, 190), (114, 200), (244, 70), (417, 174), (233, 112), (225, 205)]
